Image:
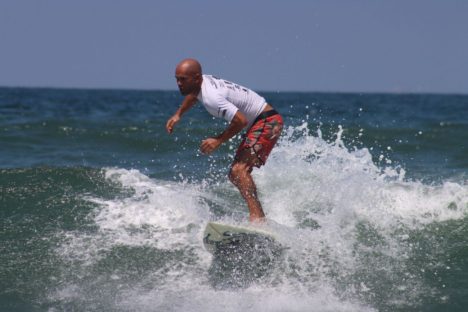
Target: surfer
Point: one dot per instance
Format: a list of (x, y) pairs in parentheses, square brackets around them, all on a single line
[(241, 108)]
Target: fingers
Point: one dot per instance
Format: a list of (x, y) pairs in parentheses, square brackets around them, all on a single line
[(209, 145), (171, 123), (205, 147), (169, 126)]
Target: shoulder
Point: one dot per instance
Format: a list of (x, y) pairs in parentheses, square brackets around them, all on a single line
[(210, 82), (210, 91)]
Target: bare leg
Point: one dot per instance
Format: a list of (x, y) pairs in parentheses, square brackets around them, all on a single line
[(240, 176)]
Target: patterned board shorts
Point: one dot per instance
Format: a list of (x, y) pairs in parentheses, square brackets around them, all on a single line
[(262, 137)]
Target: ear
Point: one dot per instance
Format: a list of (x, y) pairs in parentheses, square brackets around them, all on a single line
[(198, 78)]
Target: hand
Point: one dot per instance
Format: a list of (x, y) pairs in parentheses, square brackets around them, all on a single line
[(171, 123), (209, 145)]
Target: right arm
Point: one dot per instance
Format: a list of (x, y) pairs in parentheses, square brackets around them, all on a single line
[(187, 103)]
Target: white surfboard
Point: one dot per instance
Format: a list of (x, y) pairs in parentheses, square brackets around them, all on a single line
[(218, 237)]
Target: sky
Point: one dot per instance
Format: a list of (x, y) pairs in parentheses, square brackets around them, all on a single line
[(396, 46)]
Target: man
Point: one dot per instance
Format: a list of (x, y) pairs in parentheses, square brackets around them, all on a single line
[(242, 108)]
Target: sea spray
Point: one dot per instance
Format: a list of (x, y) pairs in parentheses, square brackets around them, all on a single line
[(357, 220), (349, 228)]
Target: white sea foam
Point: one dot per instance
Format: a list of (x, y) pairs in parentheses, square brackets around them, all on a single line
[(162, 215), (340, 216), (311, 176)]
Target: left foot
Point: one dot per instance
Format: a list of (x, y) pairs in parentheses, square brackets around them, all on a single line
[(257, 220)]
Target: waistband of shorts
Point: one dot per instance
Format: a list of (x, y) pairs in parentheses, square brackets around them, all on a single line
[(265, 115)]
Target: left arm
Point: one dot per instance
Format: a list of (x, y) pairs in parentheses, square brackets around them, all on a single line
[(237, 124)]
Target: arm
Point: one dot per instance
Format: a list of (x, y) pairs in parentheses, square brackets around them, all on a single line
[(237, 124), (187, 103)]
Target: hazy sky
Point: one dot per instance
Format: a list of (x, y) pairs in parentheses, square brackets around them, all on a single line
[(362, 46)]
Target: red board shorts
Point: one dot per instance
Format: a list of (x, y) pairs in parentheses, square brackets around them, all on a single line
[(262, 136)]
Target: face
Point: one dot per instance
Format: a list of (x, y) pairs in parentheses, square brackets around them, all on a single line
[(187, 82)]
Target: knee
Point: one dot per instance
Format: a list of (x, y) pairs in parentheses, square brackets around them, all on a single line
[(236, 172)]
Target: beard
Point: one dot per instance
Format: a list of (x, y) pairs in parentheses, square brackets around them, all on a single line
[(187, 90), (183, 91)]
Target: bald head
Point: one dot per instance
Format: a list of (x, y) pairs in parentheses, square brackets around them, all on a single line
[(190, 67), (189, 76)]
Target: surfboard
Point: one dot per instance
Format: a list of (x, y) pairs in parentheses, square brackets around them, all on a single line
[(219, 238), (241, 254)]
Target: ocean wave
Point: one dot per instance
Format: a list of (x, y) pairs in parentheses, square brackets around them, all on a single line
[(358, 236)]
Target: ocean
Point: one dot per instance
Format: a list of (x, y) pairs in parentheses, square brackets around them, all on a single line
[(102, 210)]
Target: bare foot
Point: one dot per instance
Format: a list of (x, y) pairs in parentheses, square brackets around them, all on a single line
[(257, 220)]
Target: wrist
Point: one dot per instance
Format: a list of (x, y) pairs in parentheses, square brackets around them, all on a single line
[(222, 138)]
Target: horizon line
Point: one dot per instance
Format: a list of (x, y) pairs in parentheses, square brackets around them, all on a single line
[(256, 90)]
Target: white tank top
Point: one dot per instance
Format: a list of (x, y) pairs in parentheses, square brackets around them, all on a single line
[(223, 99)]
